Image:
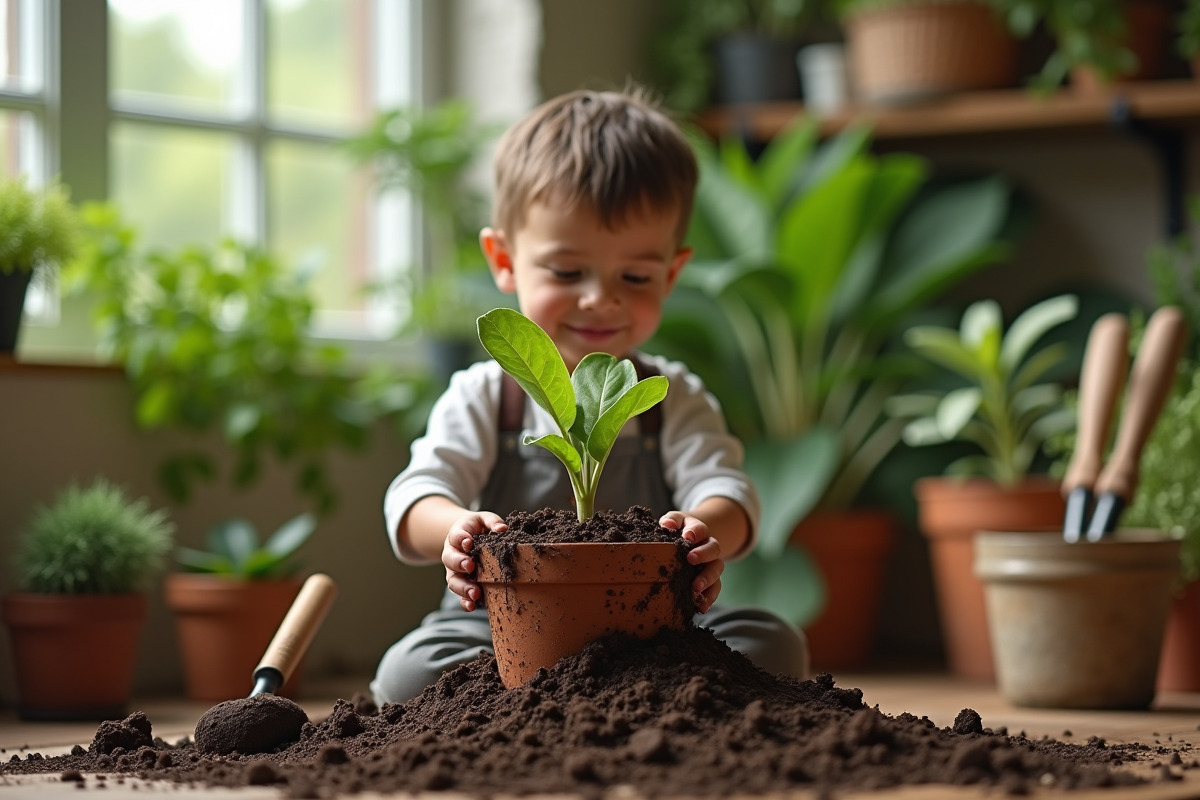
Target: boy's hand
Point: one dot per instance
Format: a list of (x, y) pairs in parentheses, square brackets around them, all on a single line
[(706, 550), (456, 554)]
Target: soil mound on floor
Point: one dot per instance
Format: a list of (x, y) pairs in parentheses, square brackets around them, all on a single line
[(678, 714)]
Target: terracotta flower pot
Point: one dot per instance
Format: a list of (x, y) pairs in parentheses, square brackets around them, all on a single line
[(1077, 625), (950, 513), (546, 602), (74, 654), (1179, 667), (850, 549), (224, 626), (1148, 24)]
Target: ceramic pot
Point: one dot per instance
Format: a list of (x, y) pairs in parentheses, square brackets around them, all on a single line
[(1179, 666), (224, 626), (74, 654), (548, 601), (1148, 25), (850, 548), (949, 513), (13, 288), (1077, 625)]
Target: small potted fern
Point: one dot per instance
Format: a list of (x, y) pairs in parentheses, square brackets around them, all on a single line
[(84, 566), (229, 600)]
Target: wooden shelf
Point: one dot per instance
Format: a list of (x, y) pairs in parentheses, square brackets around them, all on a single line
[(1176, 102)]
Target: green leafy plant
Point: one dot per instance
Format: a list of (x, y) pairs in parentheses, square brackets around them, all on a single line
[(93, 540), (1004, 409), (235, 549), (589, 406), (429, 152), (808, 262), (1187, 27), (1086, 32), (38, 226), (218, 339)]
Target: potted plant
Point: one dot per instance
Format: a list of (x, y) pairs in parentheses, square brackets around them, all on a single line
[(1097, 42), (905, 51), (429, 152), (808, 261), (546, 601), (726, 52), (1001, 404), (230, 600), (41, 230), (217, 339), (84, 565), (1187, 29)]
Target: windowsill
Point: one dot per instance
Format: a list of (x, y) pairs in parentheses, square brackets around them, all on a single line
[(10, 363)]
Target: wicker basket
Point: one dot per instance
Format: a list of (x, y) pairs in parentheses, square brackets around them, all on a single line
[(914, 52)]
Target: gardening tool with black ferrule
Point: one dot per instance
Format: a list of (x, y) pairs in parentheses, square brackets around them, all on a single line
[(252, 725), (1150, 381)]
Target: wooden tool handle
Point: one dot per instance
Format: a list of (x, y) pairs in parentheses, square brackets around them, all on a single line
[(1104, 364), (299, 625), (1149, 384)]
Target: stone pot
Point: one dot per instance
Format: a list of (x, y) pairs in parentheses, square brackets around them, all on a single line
[(1077, 625), (545, 602), (74, 655), (950, 513)]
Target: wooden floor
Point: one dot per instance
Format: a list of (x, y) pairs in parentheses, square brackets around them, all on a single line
[(1174, 721)]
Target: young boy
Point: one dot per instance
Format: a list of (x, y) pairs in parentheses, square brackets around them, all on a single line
[(593, 196)]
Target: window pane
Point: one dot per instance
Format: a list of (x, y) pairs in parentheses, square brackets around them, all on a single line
[(171, 184), (20, 36), (10, 141), (318, 57), (181, 52), (317, 209)]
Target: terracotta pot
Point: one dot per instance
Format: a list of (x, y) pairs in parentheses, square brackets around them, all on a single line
[(950, 513), (1077, 625), (74, 654), (553, 599), (224, 626), (910, 52), (850, 549), (1148, 29), (1179, 666)]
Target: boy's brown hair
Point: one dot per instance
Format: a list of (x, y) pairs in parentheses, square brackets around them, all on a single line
[(616, 152)]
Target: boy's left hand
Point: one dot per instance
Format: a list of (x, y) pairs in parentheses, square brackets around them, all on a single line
[(706, 550)]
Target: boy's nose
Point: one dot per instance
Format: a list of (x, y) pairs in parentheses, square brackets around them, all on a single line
[(596, 294)]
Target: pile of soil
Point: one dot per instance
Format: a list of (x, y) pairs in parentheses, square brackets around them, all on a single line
[(678, 714)]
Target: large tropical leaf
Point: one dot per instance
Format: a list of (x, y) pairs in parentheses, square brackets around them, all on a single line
[(788, 584), (791, 476)]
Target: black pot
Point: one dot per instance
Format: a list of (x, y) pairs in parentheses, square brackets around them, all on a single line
[(12, 303), (752, 68)]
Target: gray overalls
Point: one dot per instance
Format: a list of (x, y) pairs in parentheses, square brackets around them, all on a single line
[(529, 478)]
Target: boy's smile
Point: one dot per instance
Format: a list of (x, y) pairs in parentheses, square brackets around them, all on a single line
[(591, 288)]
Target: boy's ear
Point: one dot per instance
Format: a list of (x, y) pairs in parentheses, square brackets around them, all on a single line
[(676, 267), (495, 250)]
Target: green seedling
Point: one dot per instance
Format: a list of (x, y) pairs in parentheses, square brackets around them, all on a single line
[(590, 406)]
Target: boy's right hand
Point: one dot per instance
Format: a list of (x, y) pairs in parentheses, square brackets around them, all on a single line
[(456, 554)]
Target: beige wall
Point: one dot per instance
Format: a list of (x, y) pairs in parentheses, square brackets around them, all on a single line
[(62, 425)]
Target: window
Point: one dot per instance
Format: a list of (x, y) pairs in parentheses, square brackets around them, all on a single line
[(222, 117)]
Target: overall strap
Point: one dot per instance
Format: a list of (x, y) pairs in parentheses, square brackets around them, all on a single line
[(512, 403)]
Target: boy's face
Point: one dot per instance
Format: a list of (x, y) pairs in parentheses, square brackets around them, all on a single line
[(590, 288)]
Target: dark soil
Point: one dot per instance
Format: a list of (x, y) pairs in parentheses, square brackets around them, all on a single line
[(678, 714)]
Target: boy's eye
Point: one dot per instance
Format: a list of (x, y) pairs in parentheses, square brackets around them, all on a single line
[(563, 273), (636, 279)]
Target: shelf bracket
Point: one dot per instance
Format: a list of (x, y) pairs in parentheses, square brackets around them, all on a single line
[(1168, 147)]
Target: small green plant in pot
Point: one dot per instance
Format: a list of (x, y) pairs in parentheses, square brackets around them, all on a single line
[(1002, 404), (40, 230), (85, 563), (229, 601), (546, 601)]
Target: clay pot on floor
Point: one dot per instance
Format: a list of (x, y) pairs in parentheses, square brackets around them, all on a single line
[(548, 601), (224, 626), (1077, 625), (950, 512), (74, 654), (850, 548), (1179, 666)]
